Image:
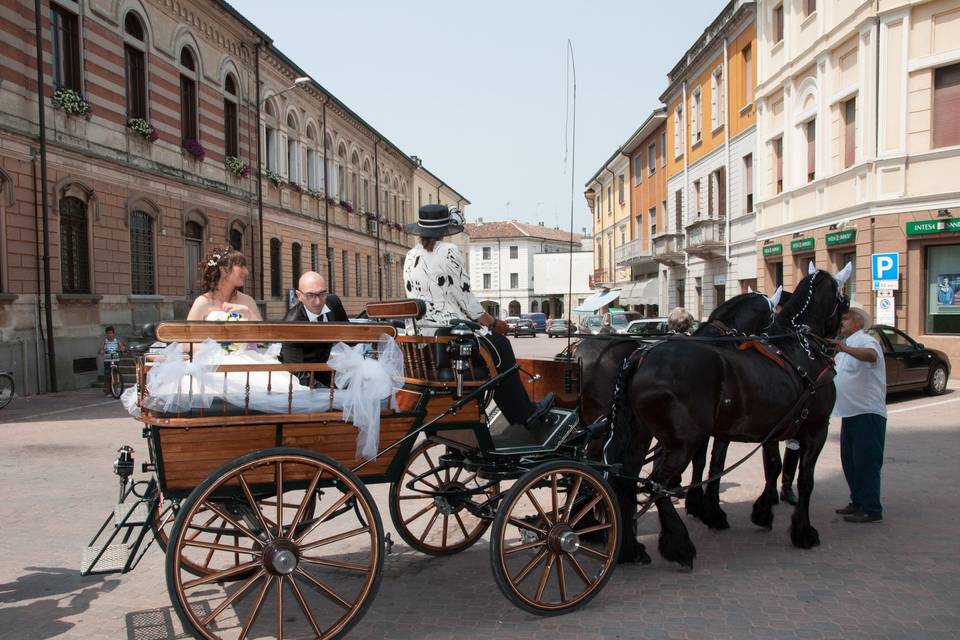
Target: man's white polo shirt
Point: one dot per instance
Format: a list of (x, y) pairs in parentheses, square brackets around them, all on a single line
[(861, 386)]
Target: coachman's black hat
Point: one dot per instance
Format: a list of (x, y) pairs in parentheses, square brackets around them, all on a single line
[(435, 221)]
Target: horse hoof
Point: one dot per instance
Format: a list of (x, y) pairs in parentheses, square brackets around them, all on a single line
[(716, 520), (763, 518), (806, 538), (694, 503), (680, 551), (635, 554)]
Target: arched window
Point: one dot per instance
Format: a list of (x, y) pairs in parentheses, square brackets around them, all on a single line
[(395, 207), (188, 96), (74, 246), (329, 168), (270, 136), (134, 49), (341, 172), (293, 149), (295, 264), (142, 273), (231, 121), (534, 306), (67, 62), (311, 157), (365, 193), (545, 308), (276, 280), (514, 308), (355, 179), (193, 252), (236, 237)]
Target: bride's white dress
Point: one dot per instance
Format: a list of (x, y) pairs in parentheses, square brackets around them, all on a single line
[(364, 385)]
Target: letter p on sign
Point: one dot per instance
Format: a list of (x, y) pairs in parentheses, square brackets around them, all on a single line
[(886, 270)]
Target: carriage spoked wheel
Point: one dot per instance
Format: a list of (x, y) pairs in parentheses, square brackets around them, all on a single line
[(555, 538), (303, 574), (429, 503)]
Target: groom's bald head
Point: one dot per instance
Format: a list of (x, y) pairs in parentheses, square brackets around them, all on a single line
[(312, 291)]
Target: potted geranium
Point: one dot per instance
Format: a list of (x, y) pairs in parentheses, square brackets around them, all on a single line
[(143, 129), (371, 215), (346, 205), (296, 187), (236, 166), (195, 149), (71, 102), (273, 177)]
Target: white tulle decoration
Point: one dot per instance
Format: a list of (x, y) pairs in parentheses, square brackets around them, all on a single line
[(368, 382)]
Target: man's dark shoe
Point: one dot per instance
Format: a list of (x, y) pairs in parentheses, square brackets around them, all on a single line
[(787, 495), (540, 409), (863, 517), (848, 510)]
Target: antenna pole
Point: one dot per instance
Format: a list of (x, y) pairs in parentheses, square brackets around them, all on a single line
[(571, 68)]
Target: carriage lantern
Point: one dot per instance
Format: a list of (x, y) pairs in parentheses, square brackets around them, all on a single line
[(460, 351)]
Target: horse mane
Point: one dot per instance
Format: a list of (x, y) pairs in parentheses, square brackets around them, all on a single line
[(796, 313)]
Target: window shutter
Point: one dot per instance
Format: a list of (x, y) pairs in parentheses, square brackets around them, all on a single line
[(281, 151), (946, 106), (711, 209), (849, 132), (721, 193)]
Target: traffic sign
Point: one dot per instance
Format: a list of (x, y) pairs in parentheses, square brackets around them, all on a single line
[(885, 270)]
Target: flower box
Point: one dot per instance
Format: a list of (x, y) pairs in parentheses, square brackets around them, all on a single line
[(237, 167), (143, 129), (195, 149), (71, 102)]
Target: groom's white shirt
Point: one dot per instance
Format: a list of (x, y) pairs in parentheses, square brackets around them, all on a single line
[(312, 317)]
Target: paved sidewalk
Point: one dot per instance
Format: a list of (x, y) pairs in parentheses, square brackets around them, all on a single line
[(898, 579)]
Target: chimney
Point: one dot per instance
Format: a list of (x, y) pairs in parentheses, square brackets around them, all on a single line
[(540, 223)]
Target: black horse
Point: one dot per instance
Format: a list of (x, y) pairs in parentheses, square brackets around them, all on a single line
[(684, 391), (600, 358)]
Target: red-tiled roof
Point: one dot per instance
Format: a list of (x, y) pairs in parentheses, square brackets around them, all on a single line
[(514, 229)]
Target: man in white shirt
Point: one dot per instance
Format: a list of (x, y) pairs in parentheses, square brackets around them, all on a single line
[(861, 384)]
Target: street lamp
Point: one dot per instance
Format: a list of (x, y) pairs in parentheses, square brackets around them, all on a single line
[(302, 80)]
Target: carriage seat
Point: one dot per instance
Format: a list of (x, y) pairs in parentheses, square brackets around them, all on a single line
[(543, 437), (410, 309)]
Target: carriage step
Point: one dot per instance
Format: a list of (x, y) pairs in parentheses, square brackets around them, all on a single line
[(113, 560), (139, 514)]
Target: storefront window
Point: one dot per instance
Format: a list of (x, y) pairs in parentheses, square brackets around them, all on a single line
[(943, 289), (852, 282)]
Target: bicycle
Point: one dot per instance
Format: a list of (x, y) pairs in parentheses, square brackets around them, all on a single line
[(116, 379), (7, 388)]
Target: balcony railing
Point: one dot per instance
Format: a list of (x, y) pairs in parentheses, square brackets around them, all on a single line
[(633, 253), (600, 276), (667, 248), (706, 238)]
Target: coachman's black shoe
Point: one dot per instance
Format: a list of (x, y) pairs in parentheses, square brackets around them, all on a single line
[(540, 409), (850, 509)]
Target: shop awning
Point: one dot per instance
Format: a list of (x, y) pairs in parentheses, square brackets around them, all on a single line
[(642, 292), (597, 301)]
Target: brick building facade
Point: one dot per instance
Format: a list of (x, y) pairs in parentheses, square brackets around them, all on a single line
[(151, 134)]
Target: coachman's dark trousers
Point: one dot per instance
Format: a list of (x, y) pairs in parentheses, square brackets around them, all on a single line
[(510, 396)]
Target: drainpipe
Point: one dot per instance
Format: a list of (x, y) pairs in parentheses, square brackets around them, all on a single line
[(440, 186), (726, 142), (36, 237), (259, 258), (613, 228), (327, 255), (686, 192), (48, 312), (376, 182)]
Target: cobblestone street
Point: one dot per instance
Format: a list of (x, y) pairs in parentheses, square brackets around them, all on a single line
[(898, 579)]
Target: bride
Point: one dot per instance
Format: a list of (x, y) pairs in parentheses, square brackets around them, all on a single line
[(175, 385)]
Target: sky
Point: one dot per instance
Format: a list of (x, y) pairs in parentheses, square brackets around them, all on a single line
[(480, 90)]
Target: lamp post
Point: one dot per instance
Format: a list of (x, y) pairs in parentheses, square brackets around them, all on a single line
[(260, 102)]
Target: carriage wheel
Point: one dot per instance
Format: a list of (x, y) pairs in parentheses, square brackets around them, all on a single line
[(305, 575), (543, 559), (432, 524)]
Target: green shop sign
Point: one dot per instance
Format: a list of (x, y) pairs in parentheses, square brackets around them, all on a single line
[(801, 244), (930, 227), (772, 250), (841, 237)]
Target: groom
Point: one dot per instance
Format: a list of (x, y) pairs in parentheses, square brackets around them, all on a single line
[(316, 305)]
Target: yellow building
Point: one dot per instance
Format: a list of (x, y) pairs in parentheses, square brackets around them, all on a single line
[(608, 196)]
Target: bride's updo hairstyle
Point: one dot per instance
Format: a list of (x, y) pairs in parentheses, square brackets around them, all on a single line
[(227, 258)]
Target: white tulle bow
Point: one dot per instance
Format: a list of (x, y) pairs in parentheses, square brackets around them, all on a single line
[(370, 381)]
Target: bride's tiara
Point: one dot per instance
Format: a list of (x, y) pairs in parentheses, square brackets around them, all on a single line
[(214, 260)]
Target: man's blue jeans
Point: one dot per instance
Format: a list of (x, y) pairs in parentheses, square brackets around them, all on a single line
[(861, 452)]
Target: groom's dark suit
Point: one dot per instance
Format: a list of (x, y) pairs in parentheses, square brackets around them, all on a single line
[(312, 352)]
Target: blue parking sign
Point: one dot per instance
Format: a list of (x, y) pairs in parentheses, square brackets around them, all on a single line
[(886, 266)]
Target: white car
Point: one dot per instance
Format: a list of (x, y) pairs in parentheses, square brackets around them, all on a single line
[(652, 327)]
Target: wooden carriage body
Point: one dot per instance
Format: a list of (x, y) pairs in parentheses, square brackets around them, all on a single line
[(187, 447)]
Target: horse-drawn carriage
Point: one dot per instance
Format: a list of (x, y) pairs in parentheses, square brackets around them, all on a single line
[(268, 526), (266, 520)]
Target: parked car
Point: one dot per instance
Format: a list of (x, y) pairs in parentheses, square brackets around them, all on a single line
[(591, 324), (511, 322), (525, 327), (909, 364), (654, 327), (617, 321), (559, 327), (539, 320)]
